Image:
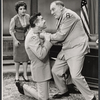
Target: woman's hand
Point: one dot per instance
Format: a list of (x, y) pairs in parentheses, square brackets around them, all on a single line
[(16, 43)]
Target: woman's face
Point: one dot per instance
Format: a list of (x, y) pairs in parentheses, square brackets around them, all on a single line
[(21, 10)]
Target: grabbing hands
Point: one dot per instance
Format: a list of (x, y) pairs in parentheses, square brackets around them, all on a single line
[(45, 35)]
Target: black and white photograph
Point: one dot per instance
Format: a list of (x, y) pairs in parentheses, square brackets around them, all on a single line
[(50, 49)]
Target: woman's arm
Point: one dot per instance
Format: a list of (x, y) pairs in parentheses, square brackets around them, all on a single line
[(12, 31)]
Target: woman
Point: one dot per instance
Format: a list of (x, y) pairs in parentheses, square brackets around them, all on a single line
[(19, 26)]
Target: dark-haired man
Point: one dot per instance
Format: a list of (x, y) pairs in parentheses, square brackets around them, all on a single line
[(37, 51)]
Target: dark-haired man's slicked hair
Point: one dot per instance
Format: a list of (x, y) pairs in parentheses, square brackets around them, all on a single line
[(33, 19)]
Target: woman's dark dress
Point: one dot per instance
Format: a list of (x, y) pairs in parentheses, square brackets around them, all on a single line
[(19, 53)]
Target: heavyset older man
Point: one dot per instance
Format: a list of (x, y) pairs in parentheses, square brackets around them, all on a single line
[(74, 42)]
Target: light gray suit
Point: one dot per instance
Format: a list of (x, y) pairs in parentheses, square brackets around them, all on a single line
[(37, 51), (74, 47), (38, 54)]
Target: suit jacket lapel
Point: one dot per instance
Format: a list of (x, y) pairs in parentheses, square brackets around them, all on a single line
[(58, 22)]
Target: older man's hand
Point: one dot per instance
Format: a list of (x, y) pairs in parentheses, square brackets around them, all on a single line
[(45, 35)]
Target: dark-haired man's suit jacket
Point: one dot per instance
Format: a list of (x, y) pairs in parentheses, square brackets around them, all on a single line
[(38, 54)]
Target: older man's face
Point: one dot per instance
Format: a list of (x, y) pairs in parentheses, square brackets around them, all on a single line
[(55, 10)]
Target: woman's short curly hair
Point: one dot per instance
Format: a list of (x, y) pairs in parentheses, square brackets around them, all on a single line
[(20, 3)]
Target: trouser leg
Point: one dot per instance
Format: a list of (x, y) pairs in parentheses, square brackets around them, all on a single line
[(75, 66), (30, 91), (68, 77), (43, 90), (58, 70)]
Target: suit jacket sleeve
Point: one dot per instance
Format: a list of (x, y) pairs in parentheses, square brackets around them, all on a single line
[(39, 49), (66, 26)]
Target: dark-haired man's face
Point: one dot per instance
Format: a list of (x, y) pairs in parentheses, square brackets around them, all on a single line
[(21, 10), (41, 22)]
